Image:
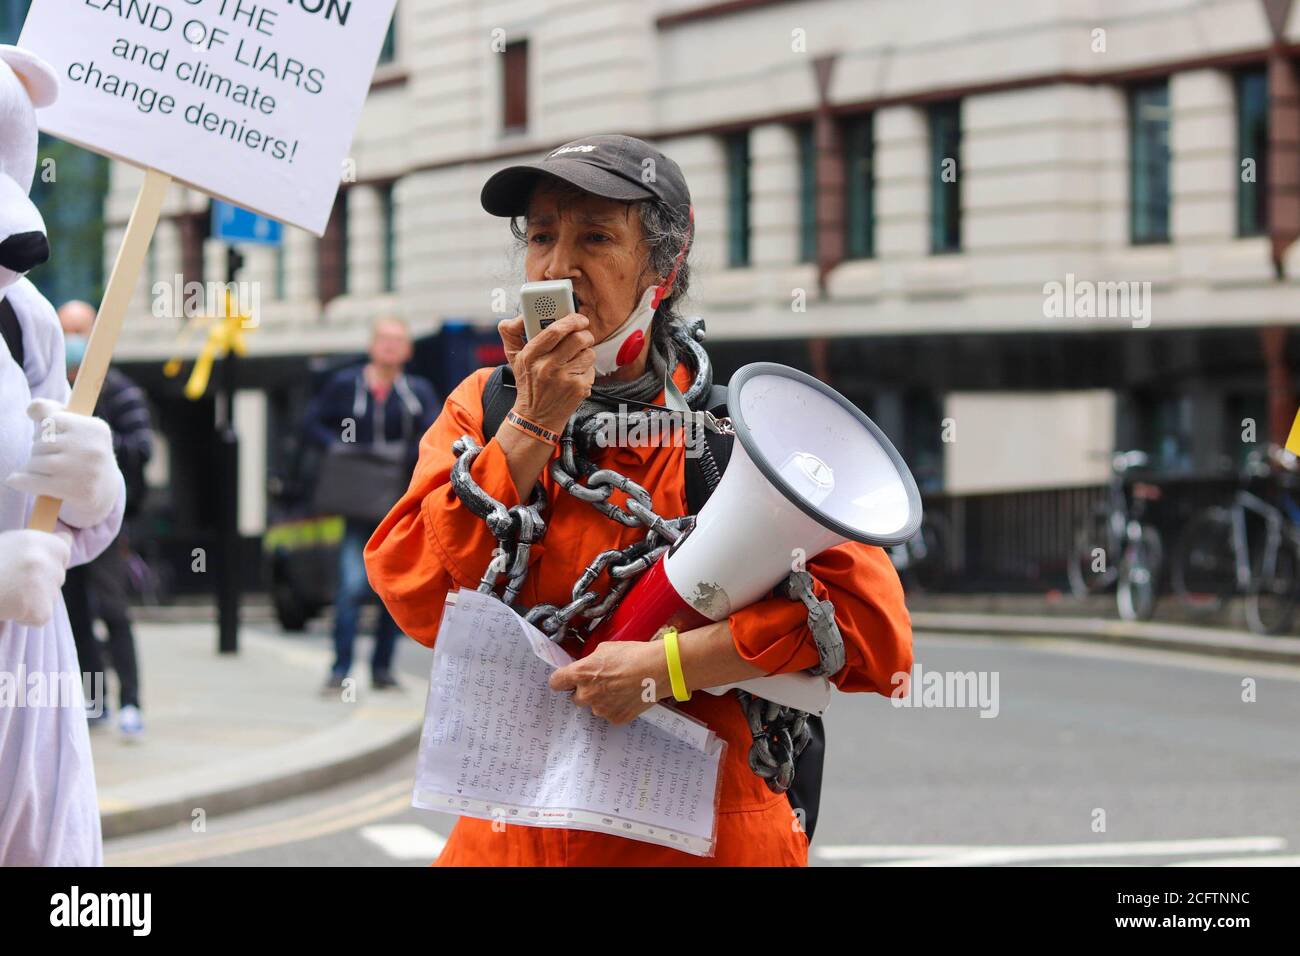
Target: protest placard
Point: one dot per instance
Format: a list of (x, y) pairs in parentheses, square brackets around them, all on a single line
[(252, 101)]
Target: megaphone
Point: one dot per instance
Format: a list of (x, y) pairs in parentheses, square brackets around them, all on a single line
[(808, 471)]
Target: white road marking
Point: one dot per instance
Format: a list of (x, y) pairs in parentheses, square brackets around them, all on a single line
[(1242, 861), (958, 855), (1072, 646), (191, 847), (405, 841), (887, 852)]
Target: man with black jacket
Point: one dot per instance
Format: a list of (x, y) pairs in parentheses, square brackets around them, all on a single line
[(98, 590), (348, 411)]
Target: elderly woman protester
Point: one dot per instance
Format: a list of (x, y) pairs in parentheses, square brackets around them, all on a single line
[(613, 215)]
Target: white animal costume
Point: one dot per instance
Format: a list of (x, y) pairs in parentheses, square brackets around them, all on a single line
[(48, 809)]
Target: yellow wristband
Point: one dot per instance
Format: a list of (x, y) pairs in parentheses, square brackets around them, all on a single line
[(675, 675)]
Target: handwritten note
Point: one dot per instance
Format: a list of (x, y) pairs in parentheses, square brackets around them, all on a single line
[(499, 744)]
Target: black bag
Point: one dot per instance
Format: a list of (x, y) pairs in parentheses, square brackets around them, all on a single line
[(361, 482), (806, 791)]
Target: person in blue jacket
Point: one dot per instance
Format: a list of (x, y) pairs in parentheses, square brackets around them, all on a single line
[(353, 406)]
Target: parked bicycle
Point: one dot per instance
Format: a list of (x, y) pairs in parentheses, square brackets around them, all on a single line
[(1219, 558), (1113, 545)]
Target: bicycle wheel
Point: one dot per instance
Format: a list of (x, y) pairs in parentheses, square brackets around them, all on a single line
[(1155, 551), (1136, 594), (1204, 572), (1270, 605), (1089, 571)]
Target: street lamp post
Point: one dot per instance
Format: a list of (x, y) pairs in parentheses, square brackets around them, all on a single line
[(228, 577)]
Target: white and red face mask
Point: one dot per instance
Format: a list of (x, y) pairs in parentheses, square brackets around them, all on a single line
[(624, 344)]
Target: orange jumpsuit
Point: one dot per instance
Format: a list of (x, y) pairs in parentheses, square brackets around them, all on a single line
[(430, 543)]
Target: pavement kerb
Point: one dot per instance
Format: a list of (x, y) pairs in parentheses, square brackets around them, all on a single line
[(1170, 637), (379, 731)]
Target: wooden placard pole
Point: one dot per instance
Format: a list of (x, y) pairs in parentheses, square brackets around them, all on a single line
[(108, 323)]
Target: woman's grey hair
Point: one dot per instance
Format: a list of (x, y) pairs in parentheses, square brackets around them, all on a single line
[(664, 231)]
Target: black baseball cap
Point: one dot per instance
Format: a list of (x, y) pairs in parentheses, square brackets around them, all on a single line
[(608, 165)]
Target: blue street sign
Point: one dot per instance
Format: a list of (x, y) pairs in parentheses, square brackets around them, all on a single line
[(235, 225)]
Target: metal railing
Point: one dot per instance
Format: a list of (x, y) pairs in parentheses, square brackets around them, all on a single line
[(1021, 541)]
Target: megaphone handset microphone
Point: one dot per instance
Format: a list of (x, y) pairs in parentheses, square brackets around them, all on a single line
[(808, 471)]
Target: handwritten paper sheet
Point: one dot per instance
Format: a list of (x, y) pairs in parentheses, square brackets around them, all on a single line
[(499, 744)]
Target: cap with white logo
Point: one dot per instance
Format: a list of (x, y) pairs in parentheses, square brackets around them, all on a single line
[(608, 165)]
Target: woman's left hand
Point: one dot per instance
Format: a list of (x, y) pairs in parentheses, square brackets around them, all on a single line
[(619, 681)]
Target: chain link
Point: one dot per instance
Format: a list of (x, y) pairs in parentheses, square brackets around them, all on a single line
[(516, 529), (780, 733), (821, 621), (623, 564)]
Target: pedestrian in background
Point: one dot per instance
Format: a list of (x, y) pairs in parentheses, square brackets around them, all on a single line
[(369, 419), (99, 590)]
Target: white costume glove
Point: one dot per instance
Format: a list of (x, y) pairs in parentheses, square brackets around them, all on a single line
[(32, 566), (72, 460)]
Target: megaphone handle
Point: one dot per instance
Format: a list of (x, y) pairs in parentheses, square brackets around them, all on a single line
[(799, 690)]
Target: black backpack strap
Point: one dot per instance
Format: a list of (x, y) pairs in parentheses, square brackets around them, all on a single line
[(12, 331), (704, 471), (498, 398)]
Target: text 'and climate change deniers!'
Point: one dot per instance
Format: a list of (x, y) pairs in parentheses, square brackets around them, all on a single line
[(276, 83), (268, 63)]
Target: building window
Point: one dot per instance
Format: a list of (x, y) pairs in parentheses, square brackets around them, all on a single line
[(738, 199), (1167, 424), (388, 52), (389, 226), (1252, 152), (1148, 116), (514, 87), (807, 193), (74, 221), (280, 283), (196, 228), (12, 15), (332, 253), (945, 181), (859, 219)]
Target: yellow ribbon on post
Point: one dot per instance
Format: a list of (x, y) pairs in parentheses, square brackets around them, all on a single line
[(226, 336)]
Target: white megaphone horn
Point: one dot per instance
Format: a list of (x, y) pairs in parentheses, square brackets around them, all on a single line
[(808, 471)]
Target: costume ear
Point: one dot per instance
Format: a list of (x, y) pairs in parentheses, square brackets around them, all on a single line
[(39, 78)]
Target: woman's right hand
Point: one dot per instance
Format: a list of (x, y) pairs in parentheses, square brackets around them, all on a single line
[(32, 566), (554, 372)]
